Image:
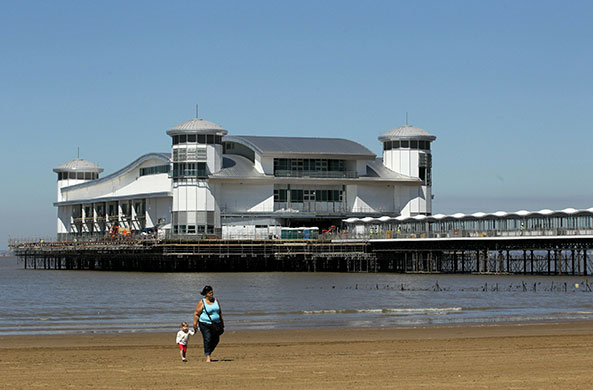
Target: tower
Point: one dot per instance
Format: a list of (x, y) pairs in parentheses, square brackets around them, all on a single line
[(196, 152), (70, 218), (406, 150)]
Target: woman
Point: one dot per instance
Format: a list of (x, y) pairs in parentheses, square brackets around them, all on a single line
[(208, 311)]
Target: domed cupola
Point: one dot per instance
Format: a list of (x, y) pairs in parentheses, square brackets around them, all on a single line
[(407, 133), (78, 169), (196, 126)]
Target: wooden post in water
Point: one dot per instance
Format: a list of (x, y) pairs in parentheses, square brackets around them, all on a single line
[(532, 263), (585, 261)]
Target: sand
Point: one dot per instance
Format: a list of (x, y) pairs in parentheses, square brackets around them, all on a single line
[(541, 356)]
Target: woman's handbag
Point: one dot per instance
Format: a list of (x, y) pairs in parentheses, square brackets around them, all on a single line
[(216, 327)]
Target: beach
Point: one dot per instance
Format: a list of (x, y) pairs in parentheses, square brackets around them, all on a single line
[(528, 356)]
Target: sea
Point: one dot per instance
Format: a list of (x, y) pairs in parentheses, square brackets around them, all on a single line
[(70, 302)]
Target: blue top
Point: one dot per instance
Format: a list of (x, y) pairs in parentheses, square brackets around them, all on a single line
[(213, 310)]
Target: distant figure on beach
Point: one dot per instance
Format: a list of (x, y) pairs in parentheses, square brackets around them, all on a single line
[(183, 338), (208, 316)]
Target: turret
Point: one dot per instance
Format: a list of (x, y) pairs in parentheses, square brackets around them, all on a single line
[(196, 153), (70, 218), (75, 172), (406, 150)]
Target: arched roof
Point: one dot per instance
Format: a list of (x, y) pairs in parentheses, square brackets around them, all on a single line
[(288, 146), (196, 125), (406, 132), (475, 216), (78, 165)]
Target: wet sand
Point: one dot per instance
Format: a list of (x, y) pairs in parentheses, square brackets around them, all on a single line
[(537, 356)]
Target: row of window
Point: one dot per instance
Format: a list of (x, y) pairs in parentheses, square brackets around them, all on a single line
[(139, 207), (199, 169), (193, 229), (189, 154), (206, 139), (154, 170), (300, 196), (78, 175), (308, 164), (405, 144)]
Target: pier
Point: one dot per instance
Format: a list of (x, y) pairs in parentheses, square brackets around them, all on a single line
[(526, 255)]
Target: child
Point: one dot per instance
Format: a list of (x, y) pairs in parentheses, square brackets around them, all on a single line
[(182, 338)]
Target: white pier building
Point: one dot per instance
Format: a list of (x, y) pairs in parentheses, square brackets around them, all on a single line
[(231, 186)]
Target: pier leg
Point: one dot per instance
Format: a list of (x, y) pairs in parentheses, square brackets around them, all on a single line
[(549, 263), (532, 263), (572, 262), (585, 261), (524, 261), (508, 261)]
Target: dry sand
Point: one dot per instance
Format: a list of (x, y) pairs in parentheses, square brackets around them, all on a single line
[(544, 356)]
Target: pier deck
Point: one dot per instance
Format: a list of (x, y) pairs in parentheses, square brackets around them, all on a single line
[(549, 255)]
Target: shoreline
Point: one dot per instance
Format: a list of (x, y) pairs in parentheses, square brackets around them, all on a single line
[(522, 356)]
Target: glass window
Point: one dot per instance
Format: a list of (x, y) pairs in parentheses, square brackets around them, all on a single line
[(280, 195), (175, 139), (219, 139), (427, 145), (191, 138), (191, 229), (395, 144), (296, 196), (422, 145), (387, 145), (413, 144), (182, 139), (210, 139), (405, 144), (201, 138)]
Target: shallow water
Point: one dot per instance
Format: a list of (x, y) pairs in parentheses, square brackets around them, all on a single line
[(51, 302)]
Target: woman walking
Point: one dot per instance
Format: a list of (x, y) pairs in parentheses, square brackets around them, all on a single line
[(208, 316)]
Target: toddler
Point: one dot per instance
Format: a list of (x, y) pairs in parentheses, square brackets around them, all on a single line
[(182, 339)]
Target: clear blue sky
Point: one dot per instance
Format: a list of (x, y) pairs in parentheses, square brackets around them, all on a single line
[(506, 86)]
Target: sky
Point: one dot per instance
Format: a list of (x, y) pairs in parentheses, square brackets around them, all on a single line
[(505, 86)]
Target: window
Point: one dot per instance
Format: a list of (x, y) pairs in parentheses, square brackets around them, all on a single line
[(280, 195), (191, 229), (201, 138), (395, 144), (405, 144), (182, 139), (413, 144), (210, 139), (191, 138), (296, 196), (387, 145), (175, 139), (154, 170)]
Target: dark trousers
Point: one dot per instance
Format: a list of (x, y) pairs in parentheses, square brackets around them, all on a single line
[(210, 338)]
